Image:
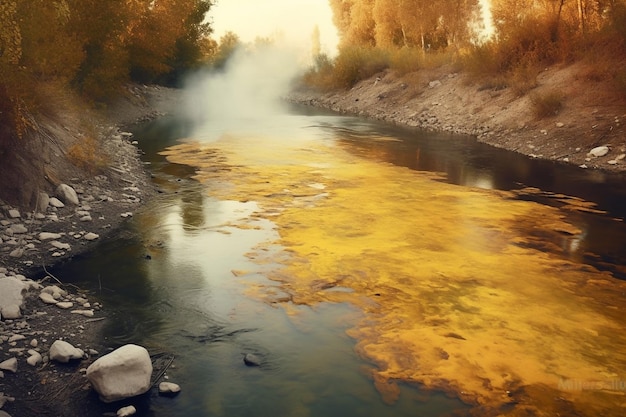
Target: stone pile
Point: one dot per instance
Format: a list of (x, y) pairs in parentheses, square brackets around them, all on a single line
[(124, 373), (75, 214), (42, 326)]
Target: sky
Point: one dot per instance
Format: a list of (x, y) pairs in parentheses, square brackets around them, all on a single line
[(295, 19)]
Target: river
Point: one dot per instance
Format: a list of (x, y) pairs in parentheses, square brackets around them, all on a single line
[(374, 270)]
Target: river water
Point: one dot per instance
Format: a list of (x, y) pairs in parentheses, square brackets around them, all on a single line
[(374, 270)]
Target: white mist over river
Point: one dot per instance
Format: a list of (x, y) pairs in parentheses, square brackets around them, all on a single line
[(247, 93)]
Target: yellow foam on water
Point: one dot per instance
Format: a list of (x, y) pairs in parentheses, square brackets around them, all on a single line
[(463, 290)]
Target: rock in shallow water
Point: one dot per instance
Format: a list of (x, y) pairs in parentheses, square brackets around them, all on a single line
[(250, 359), (123, 373), (169, 389)]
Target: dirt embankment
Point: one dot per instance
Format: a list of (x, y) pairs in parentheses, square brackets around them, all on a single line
[(440, 99)]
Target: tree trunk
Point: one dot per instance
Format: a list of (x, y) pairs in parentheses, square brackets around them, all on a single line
[(581, 16)]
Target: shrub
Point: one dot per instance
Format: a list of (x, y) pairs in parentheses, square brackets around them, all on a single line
[(480, 61), (405, 60), (546, 104), (86, 154), (523, 78), (356, 63)]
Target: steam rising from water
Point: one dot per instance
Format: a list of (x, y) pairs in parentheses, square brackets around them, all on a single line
[(247, 93)]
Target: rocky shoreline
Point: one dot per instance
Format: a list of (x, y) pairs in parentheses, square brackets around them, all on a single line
[(38, 309), (443, 100)]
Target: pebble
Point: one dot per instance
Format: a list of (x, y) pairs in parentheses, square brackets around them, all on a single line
[(169, 388), (91, 236), (62, 351), (9, 365), (49, 236), (126, 411), (250, 359), (86, 313), (599, 151), (35, 358), (16, 338), (47, 298)]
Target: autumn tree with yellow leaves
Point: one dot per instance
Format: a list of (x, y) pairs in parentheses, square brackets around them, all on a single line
[(526, 32), (94, 46)]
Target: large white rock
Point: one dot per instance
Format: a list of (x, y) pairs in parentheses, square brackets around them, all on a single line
[(67, 194), (123, 373), (62, 351)]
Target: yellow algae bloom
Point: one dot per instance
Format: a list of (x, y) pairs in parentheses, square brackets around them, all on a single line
[(454, 292)]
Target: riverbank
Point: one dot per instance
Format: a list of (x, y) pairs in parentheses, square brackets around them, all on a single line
[(34, 240), (440, 99)]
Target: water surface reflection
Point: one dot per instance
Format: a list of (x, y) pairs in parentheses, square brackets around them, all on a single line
[(285, 241)]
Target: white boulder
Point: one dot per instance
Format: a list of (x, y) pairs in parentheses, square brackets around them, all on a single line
[(67, 194), (123, 373), (62, 351)]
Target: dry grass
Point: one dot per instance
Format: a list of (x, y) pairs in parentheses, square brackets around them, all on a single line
[(523, 79), (546, 104), (406, 60), (86, 154)]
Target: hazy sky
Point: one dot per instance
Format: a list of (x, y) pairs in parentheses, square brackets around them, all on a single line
[(294, 18)]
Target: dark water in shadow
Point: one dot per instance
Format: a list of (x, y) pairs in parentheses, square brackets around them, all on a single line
[(176, 278)]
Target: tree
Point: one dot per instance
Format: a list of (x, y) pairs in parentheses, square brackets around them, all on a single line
[(228, 45), (316, 44)]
